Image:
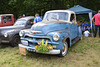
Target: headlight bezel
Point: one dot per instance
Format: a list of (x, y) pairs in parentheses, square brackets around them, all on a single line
[(21, 33), (56, 37), (5, 34)]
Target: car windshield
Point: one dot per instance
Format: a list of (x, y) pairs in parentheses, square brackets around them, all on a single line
[(56, 16), (20, 22)]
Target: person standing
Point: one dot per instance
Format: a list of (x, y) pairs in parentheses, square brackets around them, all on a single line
[(37, 18), (96, 17)]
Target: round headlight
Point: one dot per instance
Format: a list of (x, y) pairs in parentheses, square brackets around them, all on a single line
[(56, 37), (5, 34), (21, 33)]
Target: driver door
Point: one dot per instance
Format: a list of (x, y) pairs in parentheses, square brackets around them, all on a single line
[(73, 26), (29, 23)]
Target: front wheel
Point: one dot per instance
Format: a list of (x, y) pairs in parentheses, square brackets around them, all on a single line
[(63, 52), (15, 41)]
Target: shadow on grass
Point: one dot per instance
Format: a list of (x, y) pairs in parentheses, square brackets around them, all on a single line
[(40, 55), (45, 58), (5, 45)]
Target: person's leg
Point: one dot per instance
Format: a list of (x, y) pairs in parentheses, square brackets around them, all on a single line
[(95, 31), (99, 30)]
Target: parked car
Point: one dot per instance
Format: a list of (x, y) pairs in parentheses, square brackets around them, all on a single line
[(6, 20), (10, 34), (53, 35)]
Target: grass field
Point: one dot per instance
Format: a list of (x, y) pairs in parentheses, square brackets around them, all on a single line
[(85, 53)]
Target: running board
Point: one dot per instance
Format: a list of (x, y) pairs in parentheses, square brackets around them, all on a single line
[(75, 40)]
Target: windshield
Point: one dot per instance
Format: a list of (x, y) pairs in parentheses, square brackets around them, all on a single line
[(20, 22), (56, 16)]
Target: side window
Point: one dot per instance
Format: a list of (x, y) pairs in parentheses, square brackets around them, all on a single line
[(29, 23), (7, 19), (32, 20), (72, 18)]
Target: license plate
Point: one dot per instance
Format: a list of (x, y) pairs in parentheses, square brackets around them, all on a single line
[(22, 51), (24, 42)]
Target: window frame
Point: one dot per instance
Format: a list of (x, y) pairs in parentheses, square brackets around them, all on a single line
[(71, 19), (6, 19)]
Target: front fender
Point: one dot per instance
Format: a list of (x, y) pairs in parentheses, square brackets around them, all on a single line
[(63, 36), (12, 34)]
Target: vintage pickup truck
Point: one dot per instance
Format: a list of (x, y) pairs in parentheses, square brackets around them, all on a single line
[(10, 34), (6, 20), (54, 35)]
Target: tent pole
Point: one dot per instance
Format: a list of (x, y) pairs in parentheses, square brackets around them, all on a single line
[(92, 30), (90, 16)]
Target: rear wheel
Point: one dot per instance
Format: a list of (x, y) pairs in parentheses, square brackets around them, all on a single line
[(15, 41), (63, 52)]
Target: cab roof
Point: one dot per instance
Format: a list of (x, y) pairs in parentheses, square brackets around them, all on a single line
[(68, 11), (26, 18), (5, 14)]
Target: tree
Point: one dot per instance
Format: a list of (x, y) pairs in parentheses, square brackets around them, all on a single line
[(30, 7)]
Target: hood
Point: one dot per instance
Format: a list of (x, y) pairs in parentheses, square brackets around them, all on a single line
[(10, 28), (50, 26)]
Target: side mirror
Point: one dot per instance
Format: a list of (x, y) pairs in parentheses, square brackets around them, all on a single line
[(74, 22)]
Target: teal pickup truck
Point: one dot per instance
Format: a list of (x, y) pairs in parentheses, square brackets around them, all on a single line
[(54, 35)]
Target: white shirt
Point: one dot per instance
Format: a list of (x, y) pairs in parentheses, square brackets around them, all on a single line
[(86, 33)]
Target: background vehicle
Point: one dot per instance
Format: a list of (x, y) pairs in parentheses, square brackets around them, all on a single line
[(58, 31), (10, 34), (6, 20)]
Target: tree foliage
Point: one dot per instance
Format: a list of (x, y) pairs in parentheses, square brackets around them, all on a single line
[(30, 7)]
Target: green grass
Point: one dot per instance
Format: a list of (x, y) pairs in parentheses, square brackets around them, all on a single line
[(85, 53)]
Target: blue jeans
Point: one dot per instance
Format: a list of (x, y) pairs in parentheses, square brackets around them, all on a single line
[(96, 26)]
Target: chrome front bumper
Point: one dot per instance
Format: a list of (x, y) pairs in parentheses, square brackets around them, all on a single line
[(31, 48)]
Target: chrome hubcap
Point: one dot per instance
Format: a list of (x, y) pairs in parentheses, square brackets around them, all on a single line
[(64, 51)]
